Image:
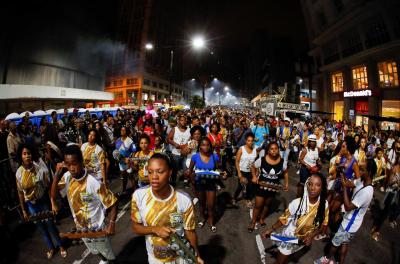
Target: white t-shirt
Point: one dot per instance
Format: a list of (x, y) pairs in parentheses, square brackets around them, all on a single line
[(311, 157), (180, 138), (246, 159), (320, 141), (362, 197), (389, 142)]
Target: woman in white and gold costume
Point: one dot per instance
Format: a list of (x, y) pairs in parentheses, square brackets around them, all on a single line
[(161, 213), (304, 219)]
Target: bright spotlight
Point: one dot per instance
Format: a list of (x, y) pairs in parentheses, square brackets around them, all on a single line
[(226, 88), (149, 46), (215, 79), (217, 93), (212, 88), (198, 42), (193, 79)]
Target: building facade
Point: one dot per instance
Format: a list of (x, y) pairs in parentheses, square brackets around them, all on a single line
[(48, 61), (138, 74), (356, 51), (126, 90)]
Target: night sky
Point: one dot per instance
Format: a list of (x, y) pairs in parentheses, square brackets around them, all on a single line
[(230, 25), (233, 25)]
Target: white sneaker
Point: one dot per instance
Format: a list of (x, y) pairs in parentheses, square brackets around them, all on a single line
[(298, 172), (103, 262)]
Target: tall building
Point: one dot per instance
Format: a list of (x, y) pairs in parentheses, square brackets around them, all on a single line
[(137, 74), (304, 70), (49, 60), (356, 49), (269, 64)]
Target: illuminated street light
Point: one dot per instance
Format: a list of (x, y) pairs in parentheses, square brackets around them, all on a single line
[(215, 79), (226, 88), (149, 46), (198, 42), (193, 79)]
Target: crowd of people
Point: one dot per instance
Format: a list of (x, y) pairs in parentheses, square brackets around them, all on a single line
[(70, 162)]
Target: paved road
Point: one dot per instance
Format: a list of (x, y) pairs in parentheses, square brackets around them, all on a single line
[(231, 244)]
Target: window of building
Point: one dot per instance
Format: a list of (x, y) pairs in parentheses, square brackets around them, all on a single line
[(390, 108), (360, 78), (118, 95), (338, 4), (117, 83), (337, 82), (146, 82), (132, 81), (338, 109), (351, 42), (331, 52), (376, 32), (321, 18), (154, 84), (388, 76), (396, 25), (108, 83), (161, 86)]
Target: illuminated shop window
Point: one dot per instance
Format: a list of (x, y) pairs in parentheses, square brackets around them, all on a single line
[(388, 76), (337, 82), (360, 78), (390, 108), (338, 108)]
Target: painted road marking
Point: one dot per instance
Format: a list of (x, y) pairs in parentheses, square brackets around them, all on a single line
[(259, 242)]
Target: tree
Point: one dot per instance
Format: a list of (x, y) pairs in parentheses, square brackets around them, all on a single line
[(196, 101)]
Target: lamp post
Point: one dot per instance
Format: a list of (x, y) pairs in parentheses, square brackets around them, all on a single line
[(197, 43)]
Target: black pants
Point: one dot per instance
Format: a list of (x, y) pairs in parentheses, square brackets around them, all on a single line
[(249, 193), (391, 211)]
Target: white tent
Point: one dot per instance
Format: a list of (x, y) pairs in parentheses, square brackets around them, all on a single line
[(39, 113), (50, 111), (23, 114), (12, 116), (60, 111)]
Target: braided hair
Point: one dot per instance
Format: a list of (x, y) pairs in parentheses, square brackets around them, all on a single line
[(319, 218)]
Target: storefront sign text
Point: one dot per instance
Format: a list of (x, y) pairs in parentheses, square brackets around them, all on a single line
[(357, 93)]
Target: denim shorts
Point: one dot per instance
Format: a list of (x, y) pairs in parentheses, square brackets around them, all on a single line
[(342, 237)]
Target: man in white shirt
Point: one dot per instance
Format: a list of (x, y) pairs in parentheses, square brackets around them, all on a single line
[(355, 210)]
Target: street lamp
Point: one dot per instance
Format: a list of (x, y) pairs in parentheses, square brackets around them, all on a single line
[(226, 88), (198, 42), (149, 46)]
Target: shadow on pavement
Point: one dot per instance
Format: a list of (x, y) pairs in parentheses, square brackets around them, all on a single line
[(213, 252), (133, 252), (10, 240)]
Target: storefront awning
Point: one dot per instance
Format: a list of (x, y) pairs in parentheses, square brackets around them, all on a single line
[(383, 118)]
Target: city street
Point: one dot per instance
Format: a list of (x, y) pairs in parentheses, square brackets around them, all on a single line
[(231, 244)]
